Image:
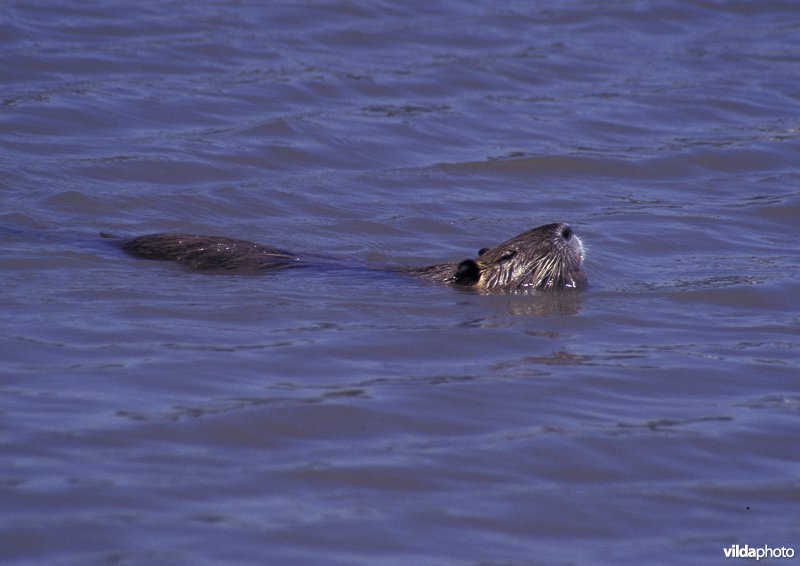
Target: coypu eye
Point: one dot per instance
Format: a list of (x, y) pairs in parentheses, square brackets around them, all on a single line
[(483, 251), (566, 232), (508, 255)]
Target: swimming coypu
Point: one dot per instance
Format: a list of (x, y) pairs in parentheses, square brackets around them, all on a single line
[(547, 257)]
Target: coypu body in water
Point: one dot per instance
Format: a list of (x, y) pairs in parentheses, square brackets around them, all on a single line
[(545, 258)]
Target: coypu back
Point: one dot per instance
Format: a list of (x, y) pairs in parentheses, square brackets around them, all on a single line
[(210, 252), (545, 258)]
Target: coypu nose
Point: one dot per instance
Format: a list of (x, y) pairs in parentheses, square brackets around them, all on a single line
[(566, 232)]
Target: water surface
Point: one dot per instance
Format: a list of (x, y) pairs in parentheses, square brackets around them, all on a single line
[(347, 416)]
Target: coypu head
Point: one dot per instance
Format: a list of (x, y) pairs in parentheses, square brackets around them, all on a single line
[(547, 257)]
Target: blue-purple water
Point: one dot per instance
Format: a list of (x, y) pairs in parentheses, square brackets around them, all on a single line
[(152, 415)]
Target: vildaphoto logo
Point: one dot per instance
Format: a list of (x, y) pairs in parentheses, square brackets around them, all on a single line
[(758, 552)]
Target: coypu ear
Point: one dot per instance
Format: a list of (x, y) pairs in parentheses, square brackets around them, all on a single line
[(467, 272), (483, 251)]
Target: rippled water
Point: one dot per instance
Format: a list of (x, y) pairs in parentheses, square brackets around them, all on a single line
[(344, 416)]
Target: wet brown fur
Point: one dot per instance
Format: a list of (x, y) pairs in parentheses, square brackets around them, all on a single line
[(547, 257), (210, 252)]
